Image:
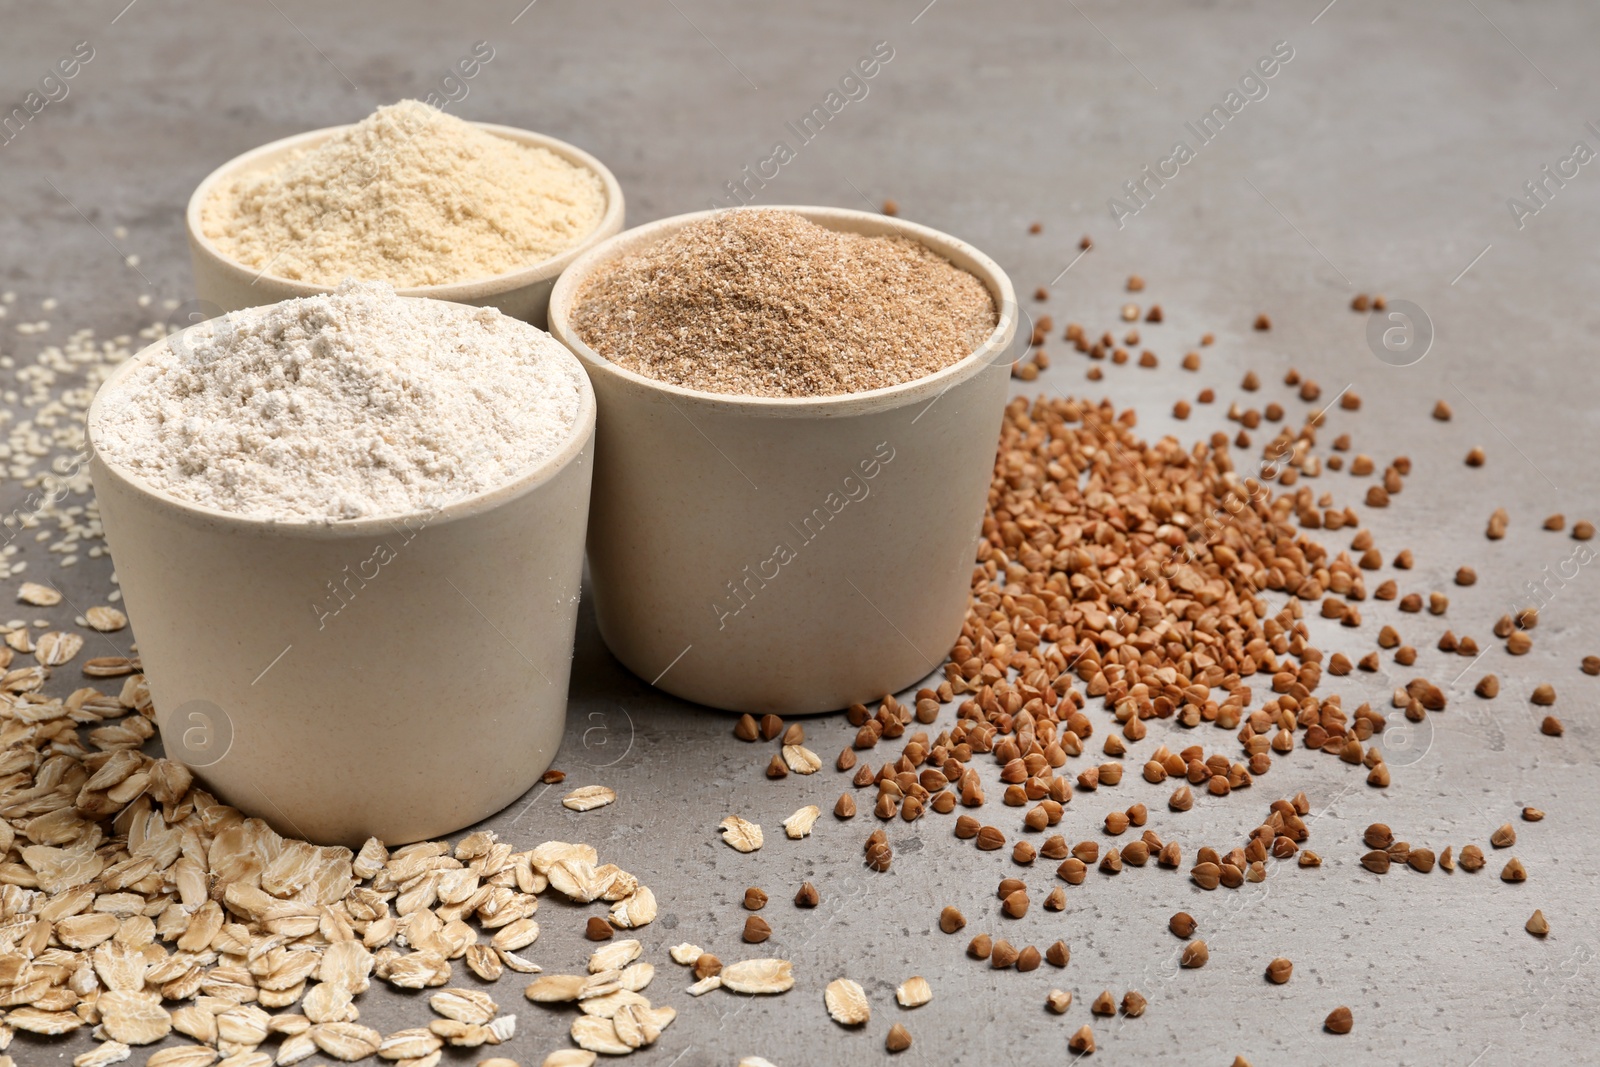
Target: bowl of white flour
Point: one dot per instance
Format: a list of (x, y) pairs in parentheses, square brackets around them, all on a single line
[(432, 204), (349, 529)]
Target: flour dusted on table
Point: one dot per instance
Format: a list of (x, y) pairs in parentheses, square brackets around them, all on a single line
[(411, 196), (351, 405)]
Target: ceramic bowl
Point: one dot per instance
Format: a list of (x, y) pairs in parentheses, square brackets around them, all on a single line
[(398, 677), (789, 555)]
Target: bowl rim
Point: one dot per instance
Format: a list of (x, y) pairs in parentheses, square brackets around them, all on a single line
[(963, 255), (481, 502), (533, 274)]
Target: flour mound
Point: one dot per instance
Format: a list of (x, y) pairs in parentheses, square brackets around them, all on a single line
[(411, 196), (357, 404)]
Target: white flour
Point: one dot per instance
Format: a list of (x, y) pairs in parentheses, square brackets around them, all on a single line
[(351, 405)]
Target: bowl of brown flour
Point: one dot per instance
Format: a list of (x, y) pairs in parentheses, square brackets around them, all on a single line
[(349, 530), (433, 205), (798, 409)]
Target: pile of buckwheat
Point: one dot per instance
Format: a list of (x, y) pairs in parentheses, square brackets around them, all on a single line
[(1143, 573)]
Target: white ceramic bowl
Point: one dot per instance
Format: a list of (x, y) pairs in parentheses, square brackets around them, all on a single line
[(223, 284), (398, 677), (789, 555)]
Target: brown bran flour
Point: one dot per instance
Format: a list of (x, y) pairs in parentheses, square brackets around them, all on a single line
[(767, 303)]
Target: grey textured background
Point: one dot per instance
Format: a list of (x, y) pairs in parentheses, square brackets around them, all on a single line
[(1380, 160)]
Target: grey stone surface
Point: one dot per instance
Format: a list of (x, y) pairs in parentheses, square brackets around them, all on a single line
[(1380, 159)]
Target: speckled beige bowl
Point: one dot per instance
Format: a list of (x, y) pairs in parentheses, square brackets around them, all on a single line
[(397, 677), (223, 284), (789, 555)]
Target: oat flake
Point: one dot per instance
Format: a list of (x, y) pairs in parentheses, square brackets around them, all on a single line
[(741, 834)]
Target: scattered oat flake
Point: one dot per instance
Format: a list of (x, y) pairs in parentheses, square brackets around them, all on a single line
[(799, 824), (589, 797), (105, 619), (517, 963), (914, 992), (40, 596), (598, 1035), (741, 834), (109, 666), (417, 970), (801, 760), (516, 935), (575, 879), (296, 1048), (685, 953), (464, 1005), (705, 985), (183, 1056), (600, 984), (24, 679), (635, 1025), (759, 1061), (134, 1017), (639, 1026), (635, 910), (556, 988), (346, 1041), (758, 976), (550, 853), (462, 1035), (636, 976), (570, 1057), (847, 1002), (613, 883), (410, 1044), (328, 1002), (103, 1055), (607, 1006), (614, 956), (39, 1021), (244, 1024), (57, 647), (482, 961), (346, 964)]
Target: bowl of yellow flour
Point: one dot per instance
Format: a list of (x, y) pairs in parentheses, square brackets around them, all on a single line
[(431, 204)]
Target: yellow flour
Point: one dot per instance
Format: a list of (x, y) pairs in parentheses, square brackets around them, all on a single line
[(410, 196)]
